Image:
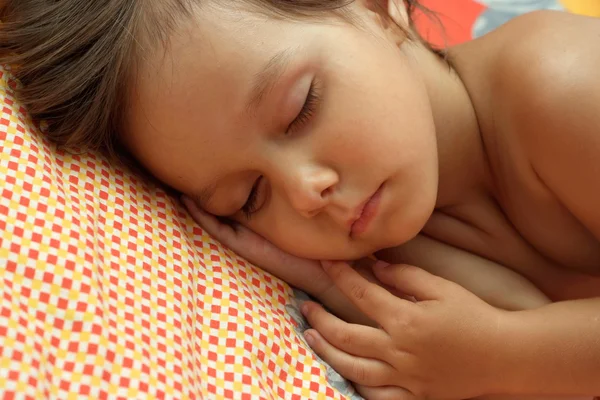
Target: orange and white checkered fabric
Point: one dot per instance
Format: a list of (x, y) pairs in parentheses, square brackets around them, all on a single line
[(109, 290)]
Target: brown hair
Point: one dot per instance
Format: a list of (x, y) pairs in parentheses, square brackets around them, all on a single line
[(74, 58)]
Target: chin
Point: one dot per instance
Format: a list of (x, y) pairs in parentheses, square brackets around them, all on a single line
[(353, 252), (403, 229)]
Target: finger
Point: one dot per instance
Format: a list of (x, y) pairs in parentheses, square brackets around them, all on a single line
[(373, 300), (302, 273), (363, 371), (411, 280), (364, 267), (236, 237), (384, 393), (220, 231), (358, 340)]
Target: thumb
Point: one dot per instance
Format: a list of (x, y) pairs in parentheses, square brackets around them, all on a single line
[(411, 280)]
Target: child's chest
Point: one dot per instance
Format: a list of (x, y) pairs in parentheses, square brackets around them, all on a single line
[(526, 229)]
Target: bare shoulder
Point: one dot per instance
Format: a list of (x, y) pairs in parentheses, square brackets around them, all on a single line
[(546, 89), (548, 53)]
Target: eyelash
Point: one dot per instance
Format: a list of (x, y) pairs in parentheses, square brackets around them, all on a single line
[(308, 109), (250, 207)]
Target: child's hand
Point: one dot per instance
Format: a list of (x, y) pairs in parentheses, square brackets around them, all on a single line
[(440, 346), (304, 274)]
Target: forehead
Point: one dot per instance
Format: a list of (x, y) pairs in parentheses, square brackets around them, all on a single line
[(214, 38), (188, 96), (215, 53), (213, 44), (202, 55)]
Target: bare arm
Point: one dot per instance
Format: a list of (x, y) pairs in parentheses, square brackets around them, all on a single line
[(554, 349), (493, 283)]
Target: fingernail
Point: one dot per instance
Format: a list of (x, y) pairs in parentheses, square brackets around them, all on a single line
[(304, 309), (310, 339), (380, 264)]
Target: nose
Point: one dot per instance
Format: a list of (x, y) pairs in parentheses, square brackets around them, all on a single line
[(309, 187)]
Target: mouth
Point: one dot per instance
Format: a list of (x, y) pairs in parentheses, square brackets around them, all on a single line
[(366, 212)]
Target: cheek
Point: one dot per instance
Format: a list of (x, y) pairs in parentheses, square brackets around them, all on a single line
[(380, 121), (298, 236), (289, 232), (356, 133), (388, 141), (405, 131)]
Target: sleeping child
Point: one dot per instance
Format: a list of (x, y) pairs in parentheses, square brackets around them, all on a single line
[(302, 131)]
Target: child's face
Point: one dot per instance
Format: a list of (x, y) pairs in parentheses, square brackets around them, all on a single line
[(223, 108)]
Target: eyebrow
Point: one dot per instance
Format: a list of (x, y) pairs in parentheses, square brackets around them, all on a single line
[(267, 77), (264, 81)]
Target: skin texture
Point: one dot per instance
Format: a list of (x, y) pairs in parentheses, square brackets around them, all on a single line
[(446, 343), (314, 176), (489, 171)]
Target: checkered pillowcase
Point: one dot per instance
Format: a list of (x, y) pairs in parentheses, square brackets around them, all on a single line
[(109, 290)]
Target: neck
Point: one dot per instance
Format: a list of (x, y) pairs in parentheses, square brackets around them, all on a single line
[(463, 164)]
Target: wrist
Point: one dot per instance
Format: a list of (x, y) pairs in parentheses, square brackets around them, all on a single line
[(520, 363), (509, 359)]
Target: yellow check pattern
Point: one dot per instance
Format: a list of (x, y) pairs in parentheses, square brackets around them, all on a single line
[(109, 290)]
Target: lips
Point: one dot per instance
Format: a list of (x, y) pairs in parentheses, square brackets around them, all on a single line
[(365, 213)]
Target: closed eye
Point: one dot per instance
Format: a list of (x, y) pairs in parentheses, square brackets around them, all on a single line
[(308, 109), (250, 207)]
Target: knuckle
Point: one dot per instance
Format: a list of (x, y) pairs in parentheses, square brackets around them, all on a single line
[(344, 338), (359, 372), (396, 355), (359, 292), (406, 323)]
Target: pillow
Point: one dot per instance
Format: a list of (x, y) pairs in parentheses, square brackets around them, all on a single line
[(110, 290), (463, 20)]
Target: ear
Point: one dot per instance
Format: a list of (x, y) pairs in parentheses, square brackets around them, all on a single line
[(389, 15)]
